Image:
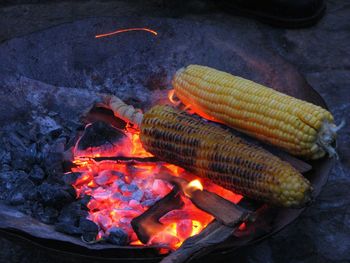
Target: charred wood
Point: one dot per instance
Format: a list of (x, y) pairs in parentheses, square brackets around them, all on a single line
[(147, 224)]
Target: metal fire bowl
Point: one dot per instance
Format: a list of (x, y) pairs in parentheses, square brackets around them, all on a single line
[(62, 68)]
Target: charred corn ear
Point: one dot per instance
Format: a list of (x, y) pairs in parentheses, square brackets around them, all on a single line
[(212, 152), (297, 126)]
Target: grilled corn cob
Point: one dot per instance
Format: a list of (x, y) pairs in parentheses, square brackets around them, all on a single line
[(212, 152), (299, 127)]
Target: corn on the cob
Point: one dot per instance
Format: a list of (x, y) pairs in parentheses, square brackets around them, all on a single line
[(212, 152), (298, 127)]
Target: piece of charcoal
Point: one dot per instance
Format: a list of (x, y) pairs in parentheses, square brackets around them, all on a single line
[(54, 195), (129, 188), (103, 177), (54, 134), (15, 141), (84, 202), (100, 133), (5, 167), (7, 176), (53, 160), (149, 202), (49, 216), (88, 225), (72, 213), (89, 229), (52, 113), (64, 135), (55, 179), (27, 208), (68, 229), (53, 165), (121, 197), (70, 190), (31, 153), (37, 174), (15, 198), (9, 181), (137, 195), (24, 159), (30, 134), (24, 186), (107, 177), (45, 214), (118, 183), (47, 125), (59, 145), (5, 157), (118, 236), (19, 163), (148, 194)]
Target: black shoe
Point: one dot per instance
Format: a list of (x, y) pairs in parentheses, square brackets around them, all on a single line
[(281, 13)]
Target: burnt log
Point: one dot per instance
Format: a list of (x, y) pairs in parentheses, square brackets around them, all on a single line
[(147, 224), (223, 210), (100, 134), (228, 217)]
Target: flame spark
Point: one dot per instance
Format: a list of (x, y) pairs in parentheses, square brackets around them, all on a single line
[(127, 30)]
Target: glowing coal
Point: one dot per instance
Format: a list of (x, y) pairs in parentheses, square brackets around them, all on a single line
[(121, 191)]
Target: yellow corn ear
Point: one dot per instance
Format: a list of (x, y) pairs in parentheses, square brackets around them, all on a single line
[(212, 152), (299, 127)]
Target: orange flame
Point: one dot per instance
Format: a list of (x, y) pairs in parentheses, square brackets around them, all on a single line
[(127, 30), (193, 186), (171, 95)]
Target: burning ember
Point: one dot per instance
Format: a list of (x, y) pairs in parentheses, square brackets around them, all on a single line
[(121, 191)]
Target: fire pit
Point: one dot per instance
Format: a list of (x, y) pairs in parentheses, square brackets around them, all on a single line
[(57, 155)]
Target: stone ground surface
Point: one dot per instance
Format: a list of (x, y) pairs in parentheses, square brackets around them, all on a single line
[(321, 53)]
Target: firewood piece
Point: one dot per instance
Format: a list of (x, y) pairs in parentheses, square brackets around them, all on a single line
[(147, 224), (100, 134), (201, 244), (223, 210)]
